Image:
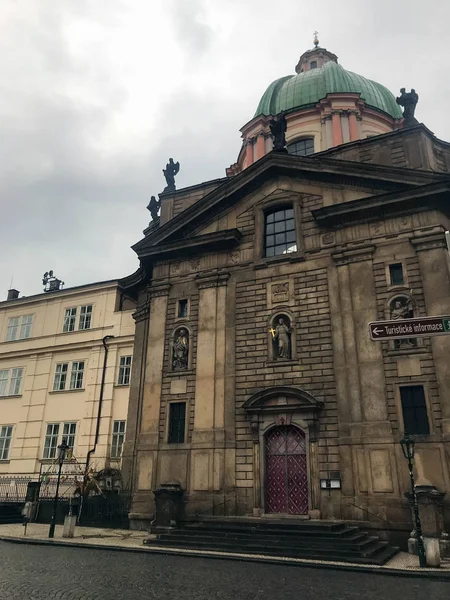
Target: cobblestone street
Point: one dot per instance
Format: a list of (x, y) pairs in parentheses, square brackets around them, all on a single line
[(41, 572)]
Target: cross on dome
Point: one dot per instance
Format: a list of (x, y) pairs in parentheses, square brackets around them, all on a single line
[(316, 39)]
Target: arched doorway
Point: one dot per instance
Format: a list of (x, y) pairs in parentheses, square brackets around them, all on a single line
[(286, 474)]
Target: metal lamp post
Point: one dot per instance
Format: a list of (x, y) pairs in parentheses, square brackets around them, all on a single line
[(62, 449), (407, 444)]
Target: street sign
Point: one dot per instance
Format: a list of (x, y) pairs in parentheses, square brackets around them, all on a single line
[(409, 328)]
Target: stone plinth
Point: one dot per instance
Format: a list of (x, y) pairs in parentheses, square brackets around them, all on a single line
[(169, 503), (436, 540)]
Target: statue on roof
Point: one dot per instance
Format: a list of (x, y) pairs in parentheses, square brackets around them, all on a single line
[(278, 131), (169, 173), (409, 102), (153, 206)]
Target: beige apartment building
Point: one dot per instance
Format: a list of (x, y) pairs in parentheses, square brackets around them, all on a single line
[(58, 350)]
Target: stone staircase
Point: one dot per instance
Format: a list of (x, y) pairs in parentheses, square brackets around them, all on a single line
[(315, 540)]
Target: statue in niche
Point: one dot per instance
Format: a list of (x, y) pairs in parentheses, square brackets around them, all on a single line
[(402, 308), (180, 350), (281, 338)]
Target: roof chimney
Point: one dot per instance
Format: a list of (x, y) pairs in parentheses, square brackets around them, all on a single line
[(12, 294)]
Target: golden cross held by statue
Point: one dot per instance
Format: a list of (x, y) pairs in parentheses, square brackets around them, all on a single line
[(272, 331), (316, 39)]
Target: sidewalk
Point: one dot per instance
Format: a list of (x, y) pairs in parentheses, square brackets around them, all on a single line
[(132, 541)]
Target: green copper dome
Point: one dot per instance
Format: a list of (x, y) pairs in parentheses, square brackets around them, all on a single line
[(308, 88)]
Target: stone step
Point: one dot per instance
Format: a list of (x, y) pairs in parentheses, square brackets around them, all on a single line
[(320, 540), (279, 543), (380, 553), (270, 528), (356, 540)]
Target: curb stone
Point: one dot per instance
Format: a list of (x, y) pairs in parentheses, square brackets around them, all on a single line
[(434, 574)]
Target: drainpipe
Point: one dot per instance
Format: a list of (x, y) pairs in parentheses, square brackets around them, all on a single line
[(100, 402)]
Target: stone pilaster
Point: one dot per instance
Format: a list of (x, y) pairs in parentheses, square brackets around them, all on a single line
[(141, 317), (208, 435), (151, 402), (363, 360), (210, 372), (433, 259)]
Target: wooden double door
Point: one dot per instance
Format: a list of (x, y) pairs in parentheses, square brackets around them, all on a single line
[(286, 471)]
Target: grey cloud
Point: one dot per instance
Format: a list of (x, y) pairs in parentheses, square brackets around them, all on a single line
[(190, 29), (72, 204)]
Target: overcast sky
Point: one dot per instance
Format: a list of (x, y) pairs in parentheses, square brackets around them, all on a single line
[(96, 95)]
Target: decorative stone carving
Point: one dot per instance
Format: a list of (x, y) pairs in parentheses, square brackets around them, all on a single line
[(233, 257), (280, 292), (194, 264), (402, 307), (281, 337), (328, 239), (180, 350)]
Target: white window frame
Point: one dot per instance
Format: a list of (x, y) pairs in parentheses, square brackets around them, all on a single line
[(125, 363), (56, 433), (53, 436), (77, 375), (85, 317), (118, 438), (69, 433), (11, 381), (70, 318), (60, 379), (19, 328), (78, 318), (5, 441)]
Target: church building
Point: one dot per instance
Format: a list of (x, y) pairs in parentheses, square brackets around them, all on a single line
[(255, 383)]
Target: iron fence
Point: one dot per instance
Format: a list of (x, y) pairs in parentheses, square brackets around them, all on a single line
[(13, 488), (105, 510)]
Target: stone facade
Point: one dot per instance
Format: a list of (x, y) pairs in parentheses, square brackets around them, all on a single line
[(334, 385)]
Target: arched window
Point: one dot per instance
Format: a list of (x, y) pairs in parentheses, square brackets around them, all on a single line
[(313, 64), (303, 147), (279, 232)]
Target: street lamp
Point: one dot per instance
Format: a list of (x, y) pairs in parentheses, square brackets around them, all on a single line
[(407, 444), (60, 457)]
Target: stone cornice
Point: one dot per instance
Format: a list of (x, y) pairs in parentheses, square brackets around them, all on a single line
[(159, 289), (209, 280), (218, 240), (429, 241), (378, 177), (142, 312), (419, 198), (347, 255)]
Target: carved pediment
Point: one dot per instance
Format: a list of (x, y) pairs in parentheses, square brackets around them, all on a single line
[(285, 399)]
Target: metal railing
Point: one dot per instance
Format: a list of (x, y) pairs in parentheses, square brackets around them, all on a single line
[(13, 488), (368, 512)]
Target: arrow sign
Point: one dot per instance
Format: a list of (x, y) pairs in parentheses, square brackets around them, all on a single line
[(409, 328)]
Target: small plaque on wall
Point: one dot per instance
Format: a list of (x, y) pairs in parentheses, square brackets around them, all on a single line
[(279, 292)]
